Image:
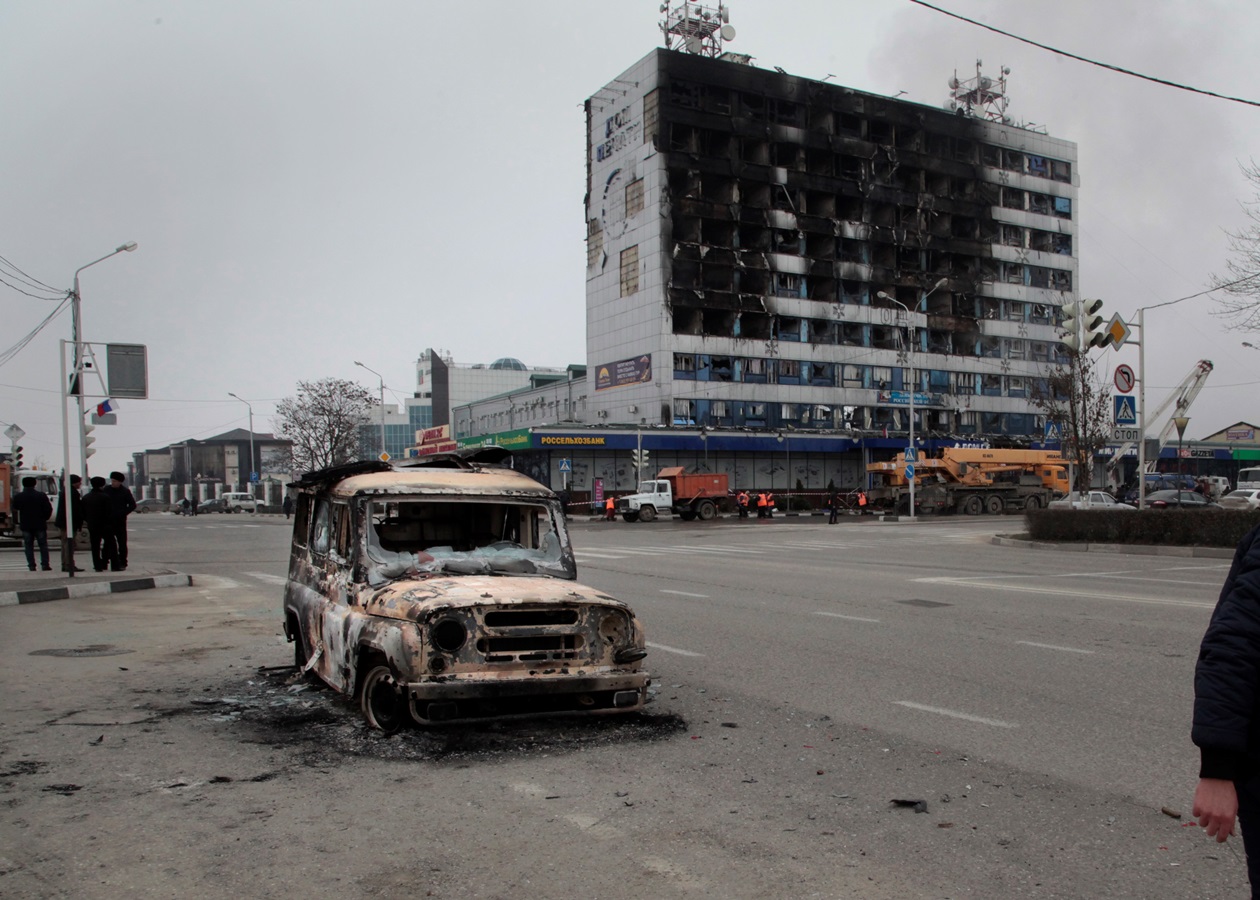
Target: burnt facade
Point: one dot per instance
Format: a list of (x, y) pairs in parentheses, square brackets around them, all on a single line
[(742, 225)]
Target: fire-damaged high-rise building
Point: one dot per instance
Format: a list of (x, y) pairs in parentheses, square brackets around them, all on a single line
[(770, 251)]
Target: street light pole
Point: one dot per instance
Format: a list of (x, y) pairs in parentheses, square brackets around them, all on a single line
[(382, 386), (76, 380), (1181, 422), (250, 479), (914, 385)]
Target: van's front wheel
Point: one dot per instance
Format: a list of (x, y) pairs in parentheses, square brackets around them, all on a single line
[(381, 701)]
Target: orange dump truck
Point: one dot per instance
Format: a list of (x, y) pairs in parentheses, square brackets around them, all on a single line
[(971, 481), (689, 495)]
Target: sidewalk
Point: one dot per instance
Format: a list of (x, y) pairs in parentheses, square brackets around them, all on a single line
[(20, 586)]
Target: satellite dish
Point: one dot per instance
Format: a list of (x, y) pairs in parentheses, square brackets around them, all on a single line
[(694, 45), (953, 83), (726, 14), (728, 32)]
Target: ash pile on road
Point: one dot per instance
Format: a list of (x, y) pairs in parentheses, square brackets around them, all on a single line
[(325, 727)]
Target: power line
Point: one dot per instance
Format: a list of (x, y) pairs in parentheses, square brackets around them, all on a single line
[(33, 282), (1085, 59), (29, 294)]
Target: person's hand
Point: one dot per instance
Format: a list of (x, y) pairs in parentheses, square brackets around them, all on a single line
[(1216, 807)]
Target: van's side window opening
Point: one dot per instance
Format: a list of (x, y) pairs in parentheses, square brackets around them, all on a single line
[(321, 528)]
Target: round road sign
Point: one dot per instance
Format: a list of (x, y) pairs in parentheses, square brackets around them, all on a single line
[(1124, 379)]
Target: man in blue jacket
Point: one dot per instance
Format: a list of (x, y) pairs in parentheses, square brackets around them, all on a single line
[(1227, 709)]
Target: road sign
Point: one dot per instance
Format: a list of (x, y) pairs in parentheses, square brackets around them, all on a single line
[(1052, 431), (14, 433), (1118, 331), (1125, 379), (253, 477), (384, 457), (1126, 411), (912, 455), (566, 465), (1125, 435), (910, 472)]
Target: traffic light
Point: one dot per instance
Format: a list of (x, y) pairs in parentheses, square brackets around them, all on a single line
[(639, 458), (17, 458), (1071, 326), (1095, 326), (88, 440)]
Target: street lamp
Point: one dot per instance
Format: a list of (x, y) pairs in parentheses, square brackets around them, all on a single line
[(1181, 422), (382, 385), (914, 386), (250, 480), (76, 383), (786, 441)]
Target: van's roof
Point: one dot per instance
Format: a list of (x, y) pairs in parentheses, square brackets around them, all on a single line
[(423, 480)]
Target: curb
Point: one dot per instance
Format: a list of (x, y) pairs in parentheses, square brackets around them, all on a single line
[(1121, 549), (67, 592)]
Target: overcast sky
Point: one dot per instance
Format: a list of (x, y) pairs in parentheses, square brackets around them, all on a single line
[(312, 183)]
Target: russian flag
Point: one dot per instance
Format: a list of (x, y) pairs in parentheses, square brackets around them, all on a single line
[(106, 407)]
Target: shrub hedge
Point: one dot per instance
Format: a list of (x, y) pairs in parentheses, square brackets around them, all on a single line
[(1180, 527)]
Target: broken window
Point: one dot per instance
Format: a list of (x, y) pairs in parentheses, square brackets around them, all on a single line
[(683, 93), (630, 271), (1061, 171), (685, 366), (853, 376), (1015, 348), (1039, 203), (1063, 207), (684, 412), (1060, 280), (721, 368), (755, 371), (880, 132), (651, 115), (822, 374), (789, 371), (1012, 198), (991, 347), (991, 385), (881, 377), (634, 197), (1016, 387), (787, 285), (1015, 310), (1012, 161), (594, 243), (1012, 236), (1038, 277), (1039, 166), (990, 156), (790, 328)]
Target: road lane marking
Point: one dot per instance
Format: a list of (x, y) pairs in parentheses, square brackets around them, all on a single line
[(1053, 647), (669, 649), (954, 714), (685, 594), (1065, 592), (843, 616)]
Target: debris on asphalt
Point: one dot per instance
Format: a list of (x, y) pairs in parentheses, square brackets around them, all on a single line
[(1170, 812), (64, 789), (919, 806)]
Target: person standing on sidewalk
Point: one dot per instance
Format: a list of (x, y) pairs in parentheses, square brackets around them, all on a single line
[(76, 516), (34, 509), (122, 504), (1226, 725), (98, 511)]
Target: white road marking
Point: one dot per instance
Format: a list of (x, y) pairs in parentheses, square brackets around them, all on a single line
[(843, 616), (1065, 592), (1053, 647), (685, 594), (954, 714), (587, 554), (267, 577), (669, 649), (215, 582)]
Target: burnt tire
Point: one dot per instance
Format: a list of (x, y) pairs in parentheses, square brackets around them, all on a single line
[(994, 506), (971, 505), (706, 510), (380, 701), (1032, 503), (300, 656), (647, 513)]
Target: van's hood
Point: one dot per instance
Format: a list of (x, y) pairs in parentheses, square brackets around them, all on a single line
[(420, 598)]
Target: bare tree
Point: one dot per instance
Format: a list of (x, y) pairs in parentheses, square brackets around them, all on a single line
[(1241, 303), (323, 422), (1075, 397)]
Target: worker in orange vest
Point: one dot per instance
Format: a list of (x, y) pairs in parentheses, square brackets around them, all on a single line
[(761, 505), (610, 509), (861, 502), (742, 500)]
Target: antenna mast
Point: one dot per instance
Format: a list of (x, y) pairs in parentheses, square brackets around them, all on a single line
[(980, 96), (696, 27)]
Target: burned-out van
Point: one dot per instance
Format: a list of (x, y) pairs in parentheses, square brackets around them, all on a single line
[(444, 589)]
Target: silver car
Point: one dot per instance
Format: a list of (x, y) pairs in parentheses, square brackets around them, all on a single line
[(1248, 499)]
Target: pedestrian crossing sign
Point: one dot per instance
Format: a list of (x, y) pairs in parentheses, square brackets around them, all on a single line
[(1126, 411), (1052, 431)]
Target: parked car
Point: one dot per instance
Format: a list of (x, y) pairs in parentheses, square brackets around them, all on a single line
[(1095, 500), (1179, 500), (1245, 499), (235, 502), (151, 504), (1156, 481), (444, 589), (211, 504)]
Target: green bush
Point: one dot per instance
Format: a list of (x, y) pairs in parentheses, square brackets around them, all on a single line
[(1177, 527)]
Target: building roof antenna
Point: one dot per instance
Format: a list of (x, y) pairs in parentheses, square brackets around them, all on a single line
[(980, 97), (696, 27)]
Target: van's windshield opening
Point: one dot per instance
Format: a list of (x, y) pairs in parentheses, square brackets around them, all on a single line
[(430, 536)]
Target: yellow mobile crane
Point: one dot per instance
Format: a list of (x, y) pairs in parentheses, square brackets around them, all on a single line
[(971, 481)]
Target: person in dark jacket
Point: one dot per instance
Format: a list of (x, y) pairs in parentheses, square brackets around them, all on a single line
[(33, 509), (76, 518), (1227, 709), (98, 512), (122, 504)]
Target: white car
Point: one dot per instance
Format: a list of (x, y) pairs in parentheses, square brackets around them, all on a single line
[(1096, 500), (1245, 499), (237, 502)]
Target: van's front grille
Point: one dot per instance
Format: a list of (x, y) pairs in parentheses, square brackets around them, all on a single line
[(531, 648)]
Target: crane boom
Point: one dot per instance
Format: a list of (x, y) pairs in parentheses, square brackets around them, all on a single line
[(1179, 400)]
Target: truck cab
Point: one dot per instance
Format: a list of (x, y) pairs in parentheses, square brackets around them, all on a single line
[(653, 498)]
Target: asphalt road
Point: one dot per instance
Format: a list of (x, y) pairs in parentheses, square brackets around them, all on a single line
[(806, 676)]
